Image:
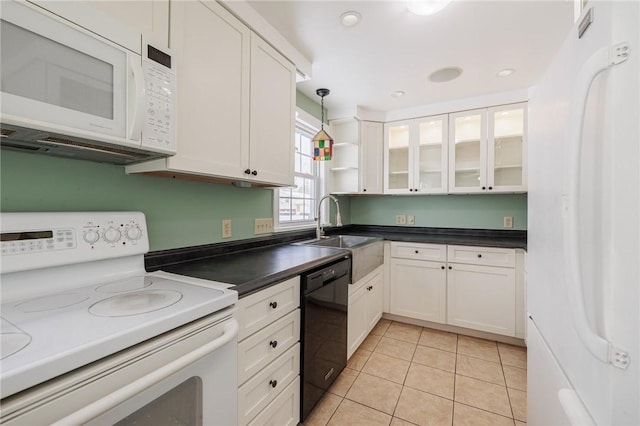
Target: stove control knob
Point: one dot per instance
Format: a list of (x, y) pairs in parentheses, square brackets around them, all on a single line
[(134, 233), (111, 235), (91, 236)]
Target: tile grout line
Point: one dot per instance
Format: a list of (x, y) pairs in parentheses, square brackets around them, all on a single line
[(505, 386)]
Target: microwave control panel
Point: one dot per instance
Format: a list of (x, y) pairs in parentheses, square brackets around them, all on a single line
[(160, 81)]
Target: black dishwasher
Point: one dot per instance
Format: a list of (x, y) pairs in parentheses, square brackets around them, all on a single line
[(324, 301)]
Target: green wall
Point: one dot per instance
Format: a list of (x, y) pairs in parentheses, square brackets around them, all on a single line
[(179, 213), (443, 211)]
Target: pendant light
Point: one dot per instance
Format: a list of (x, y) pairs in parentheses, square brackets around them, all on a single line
[(322, 142)]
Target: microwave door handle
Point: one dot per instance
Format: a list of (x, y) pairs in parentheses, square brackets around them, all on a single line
[(116, 398), (138, 103)]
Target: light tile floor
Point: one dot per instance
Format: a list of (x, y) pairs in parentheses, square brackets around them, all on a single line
[(403, 374)]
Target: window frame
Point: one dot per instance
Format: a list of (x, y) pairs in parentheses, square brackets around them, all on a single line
[(308, 125)]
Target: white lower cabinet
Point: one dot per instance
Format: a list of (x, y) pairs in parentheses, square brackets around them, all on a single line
[(482, 298), (269, 355), (473, 287), (365, 308), (419, 289)]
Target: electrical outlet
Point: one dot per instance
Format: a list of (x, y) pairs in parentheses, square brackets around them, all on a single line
[(226, 228), (401, 219), (508, 222), (263, 226), (411, 220)]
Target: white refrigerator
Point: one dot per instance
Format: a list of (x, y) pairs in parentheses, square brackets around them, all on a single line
[(583, 271)]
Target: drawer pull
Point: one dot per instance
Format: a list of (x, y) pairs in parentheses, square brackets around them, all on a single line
[(273, 343), (442, 267), (479, 255), (273, 304), (273, 383), (417, 251), (450, 267)]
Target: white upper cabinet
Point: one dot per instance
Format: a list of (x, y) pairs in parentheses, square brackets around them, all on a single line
[(487, 150), (236, 101), (151, 18), (273, 99), (416, 156), (356, 166), (371, 157)]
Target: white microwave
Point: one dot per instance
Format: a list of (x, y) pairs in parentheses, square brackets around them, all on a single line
[(69, 92)]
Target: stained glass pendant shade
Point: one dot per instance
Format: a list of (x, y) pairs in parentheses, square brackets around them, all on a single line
[(322, 142)]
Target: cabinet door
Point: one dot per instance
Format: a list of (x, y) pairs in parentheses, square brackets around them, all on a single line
[(506, 152), (371, 147), (272, 149), (418, 289), (151, 18), (357, 319), (213, 89), (374, 301), (468, 151), (398, 158), (431, 155), (482, 298)]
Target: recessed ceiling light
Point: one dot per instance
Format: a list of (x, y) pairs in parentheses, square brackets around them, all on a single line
[(398, 94), (350, 19), (445, 74), (505, 72), (426, 7)]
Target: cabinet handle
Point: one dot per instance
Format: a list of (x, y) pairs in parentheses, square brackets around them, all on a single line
[(364, 189), (491, 187), (273, 343), (255, 173), (450, 267), (273, 383), (415, 189), (479, 255), (484, 187), (417, 251), (273, 304), (442, 267), (248, 171), (410, 189)]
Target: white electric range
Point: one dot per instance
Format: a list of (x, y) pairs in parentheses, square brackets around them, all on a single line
[(75, 297)]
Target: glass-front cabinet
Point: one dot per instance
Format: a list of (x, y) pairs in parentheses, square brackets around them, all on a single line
[(416, 156), (487, 150)]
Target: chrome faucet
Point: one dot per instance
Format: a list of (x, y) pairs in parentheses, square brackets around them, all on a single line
[(319, 230)]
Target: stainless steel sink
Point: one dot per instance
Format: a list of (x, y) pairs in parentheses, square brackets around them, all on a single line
[(367, 253)]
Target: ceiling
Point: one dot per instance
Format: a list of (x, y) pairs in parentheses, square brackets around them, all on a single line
[(393, 50)]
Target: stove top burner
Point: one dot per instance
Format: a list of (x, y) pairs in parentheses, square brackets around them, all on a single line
[(128, 284), (135, 303), (10, 343), (51, 302)]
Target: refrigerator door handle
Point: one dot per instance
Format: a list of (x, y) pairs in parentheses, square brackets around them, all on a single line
[(600, 347)]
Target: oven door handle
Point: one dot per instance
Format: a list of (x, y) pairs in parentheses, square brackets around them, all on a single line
[(114, 399)]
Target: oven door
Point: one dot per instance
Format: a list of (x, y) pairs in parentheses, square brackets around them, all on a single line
[(187, 376), (59, 77)]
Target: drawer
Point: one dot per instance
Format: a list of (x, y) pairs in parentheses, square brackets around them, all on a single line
[(262, 388), (284, 410), (417, 251), (262, 308), (486, 256), (258, 350)]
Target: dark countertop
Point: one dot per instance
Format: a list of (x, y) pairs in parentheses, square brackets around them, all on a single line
[(254, 269), (253, 264)]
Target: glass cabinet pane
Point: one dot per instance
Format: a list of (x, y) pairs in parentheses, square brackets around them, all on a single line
[(430, 144), (508, 144), (398, 157), (468, 135)]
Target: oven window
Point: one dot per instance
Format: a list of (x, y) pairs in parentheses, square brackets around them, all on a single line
[(182, 405)]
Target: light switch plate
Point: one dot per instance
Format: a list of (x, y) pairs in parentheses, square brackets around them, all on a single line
[(263, 226)]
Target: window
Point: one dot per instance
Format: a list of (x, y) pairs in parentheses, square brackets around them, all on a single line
[(296, 206)]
